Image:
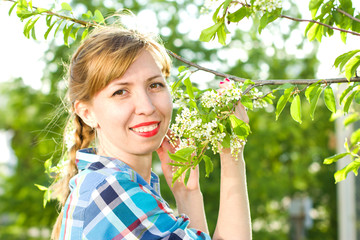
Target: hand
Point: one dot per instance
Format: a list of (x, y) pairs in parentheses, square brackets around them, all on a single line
[(240, 110), (179, 186)]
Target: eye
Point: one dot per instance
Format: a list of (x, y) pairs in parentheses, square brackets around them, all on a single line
[(120, 92), (156, 85)]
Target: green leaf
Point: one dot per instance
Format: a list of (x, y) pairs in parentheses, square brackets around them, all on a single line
[(27, 29), (74, 32), (334, 158), (313, 31), (295, 109), (177, 158), (49, 29), (241, 128), (348, 102), (310, 24), (341, 60), (351, 119), (12, 8), (85, 33), (263, 22), (342, 174), (351, 67), (356, 25), (221, 33), (40, 187), (185, 152), (338, 17), (310, 90), (178, 173), (189, 88), (48, 20), (176, 164), (329, 99), (33, 35), (226, 141), (47, 197), (98, 17), (65, 6), (41, 10), (247, 102), (88, 15), (314, 97), (209, 33), (66, 32), (58, 27), (357, 97), (209, 166), (343, 36), (282, 101), (226, 5), (238, 15), (355, 137), (345, 92), (215, 15), (314, 5), (187, 175)]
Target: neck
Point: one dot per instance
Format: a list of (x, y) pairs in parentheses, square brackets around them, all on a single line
[(139, 163)]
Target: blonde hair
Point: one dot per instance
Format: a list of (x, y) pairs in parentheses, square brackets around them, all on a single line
[(103, 57)]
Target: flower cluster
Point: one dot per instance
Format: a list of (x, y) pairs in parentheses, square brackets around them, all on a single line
[(267, 5), (208, 124)]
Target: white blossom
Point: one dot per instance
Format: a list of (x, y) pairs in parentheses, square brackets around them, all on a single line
[(267, 5)]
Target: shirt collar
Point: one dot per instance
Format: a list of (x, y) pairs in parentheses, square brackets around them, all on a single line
[(86, 157)]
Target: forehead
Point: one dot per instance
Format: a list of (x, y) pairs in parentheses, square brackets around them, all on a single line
[(144, 67)]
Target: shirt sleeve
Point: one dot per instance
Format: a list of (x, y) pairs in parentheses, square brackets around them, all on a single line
[(122, 209)]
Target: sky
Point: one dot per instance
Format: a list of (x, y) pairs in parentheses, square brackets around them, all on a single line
[(21, 57)]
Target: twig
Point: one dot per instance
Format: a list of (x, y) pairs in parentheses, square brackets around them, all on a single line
[(81, 22), (320, 23), (263, 82), (347, 14), (219, 74), (232, 77)]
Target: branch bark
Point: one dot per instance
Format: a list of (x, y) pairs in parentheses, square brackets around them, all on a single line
[(263, 82), (320, 23), (232, 77), (348, 15)]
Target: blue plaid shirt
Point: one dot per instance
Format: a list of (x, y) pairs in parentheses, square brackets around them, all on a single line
[(109, 200)]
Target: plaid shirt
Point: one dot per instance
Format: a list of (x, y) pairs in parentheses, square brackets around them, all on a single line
[(109, 200)]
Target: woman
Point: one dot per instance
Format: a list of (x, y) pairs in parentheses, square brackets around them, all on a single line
[(118, 92)]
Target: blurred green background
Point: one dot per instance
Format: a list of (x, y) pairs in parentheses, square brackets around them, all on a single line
[(284, 159)]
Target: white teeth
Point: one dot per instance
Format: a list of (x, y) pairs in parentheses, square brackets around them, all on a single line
[(145, 129)]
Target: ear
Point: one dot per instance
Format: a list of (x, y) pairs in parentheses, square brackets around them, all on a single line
[(84, 111)]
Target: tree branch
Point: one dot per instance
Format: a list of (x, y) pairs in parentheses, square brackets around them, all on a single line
[(320, 23), (81, 22), (232, 77), (347, 14), (263, 82)]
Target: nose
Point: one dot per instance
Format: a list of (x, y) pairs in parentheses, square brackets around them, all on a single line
[(144, 104)]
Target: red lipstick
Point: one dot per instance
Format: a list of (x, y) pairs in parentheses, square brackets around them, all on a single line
[(145, 124), (146, 134)]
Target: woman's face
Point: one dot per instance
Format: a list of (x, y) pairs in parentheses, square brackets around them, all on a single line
[(133, 112)]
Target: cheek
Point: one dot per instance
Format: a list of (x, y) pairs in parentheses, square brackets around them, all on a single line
[(168, 106)]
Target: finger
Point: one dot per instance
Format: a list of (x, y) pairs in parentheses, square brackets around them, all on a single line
[(240, 112)]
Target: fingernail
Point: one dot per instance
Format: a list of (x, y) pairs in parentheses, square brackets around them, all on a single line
[(221, 82), (226, 79)]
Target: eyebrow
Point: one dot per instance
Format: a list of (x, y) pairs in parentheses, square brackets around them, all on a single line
[(147, 80)]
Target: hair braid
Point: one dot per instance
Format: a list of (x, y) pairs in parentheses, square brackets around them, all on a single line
[(84, 135)]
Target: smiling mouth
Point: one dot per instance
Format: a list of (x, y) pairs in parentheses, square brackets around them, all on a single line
[(145, 129)]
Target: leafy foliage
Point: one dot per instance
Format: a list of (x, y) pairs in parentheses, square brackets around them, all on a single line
[(289, 166)]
